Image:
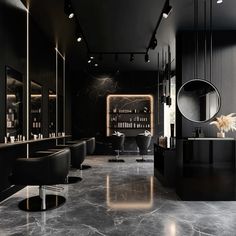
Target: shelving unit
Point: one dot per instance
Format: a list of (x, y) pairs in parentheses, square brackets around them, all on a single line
[(129, 114)]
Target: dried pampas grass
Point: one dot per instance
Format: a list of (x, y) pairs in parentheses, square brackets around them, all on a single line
[(225, 123)]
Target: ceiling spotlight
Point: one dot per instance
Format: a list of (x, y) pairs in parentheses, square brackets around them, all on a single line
[(68, 9), (131, 59), (91, 57), (96, 65), (153, 43), (78, 35), (167, 9), (219, 1), (147, 58), (89, 61), (79, 39)]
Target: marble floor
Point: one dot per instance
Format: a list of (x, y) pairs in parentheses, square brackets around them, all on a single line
[(118, 199)]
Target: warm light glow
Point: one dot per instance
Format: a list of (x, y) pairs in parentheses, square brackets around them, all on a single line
[(36, 95), (150, 97), (129, 205), (170, 228), (11, 96), (52, 95)]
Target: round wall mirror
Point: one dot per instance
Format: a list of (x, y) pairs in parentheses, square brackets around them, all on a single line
[(198, 100)]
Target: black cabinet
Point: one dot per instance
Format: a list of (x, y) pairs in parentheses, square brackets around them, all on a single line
[(165, 165), (206, 169)]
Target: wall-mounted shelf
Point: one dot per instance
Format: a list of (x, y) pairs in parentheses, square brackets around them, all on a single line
[(130, 114), (6, 145)]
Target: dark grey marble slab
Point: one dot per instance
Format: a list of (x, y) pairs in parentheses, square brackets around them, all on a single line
[(118, 199)]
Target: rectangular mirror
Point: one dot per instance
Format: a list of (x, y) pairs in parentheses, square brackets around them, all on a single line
[(36, 108), (14, 103), (60, 94), (51, 112)]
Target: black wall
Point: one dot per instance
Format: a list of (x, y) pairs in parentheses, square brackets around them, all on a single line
[(223, 74), (13, 35), (89, 92)]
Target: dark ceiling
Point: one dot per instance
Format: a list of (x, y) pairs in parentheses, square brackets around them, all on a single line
[(124, 25)]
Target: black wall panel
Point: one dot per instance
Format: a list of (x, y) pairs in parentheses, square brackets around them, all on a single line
[(89, 92), (223, 74)]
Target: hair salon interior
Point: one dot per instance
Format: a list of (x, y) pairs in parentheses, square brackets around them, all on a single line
[(117, 117)]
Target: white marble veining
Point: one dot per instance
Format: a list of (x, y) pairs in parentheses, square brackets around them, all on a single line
[(118, 199)]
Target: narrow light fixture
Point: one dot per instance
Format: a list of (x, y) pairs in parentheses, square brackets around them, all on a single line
[(219, 1), (167, 9), (147, 58), (131, 59), (68, 9)]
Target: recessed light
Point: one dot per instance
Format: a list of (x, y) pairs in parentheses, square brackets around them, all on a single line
[(89, 61), (96, 65), (91, 57), (219, 1)]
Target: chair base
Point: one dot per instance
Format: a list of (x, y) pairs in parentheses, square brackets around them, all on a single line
[(73, 179), (35, 203), (85, 167), (116, 160), (144, 160)]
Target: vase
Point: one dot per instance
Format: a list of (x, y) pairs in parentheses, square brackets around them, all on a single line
[(221, 134)]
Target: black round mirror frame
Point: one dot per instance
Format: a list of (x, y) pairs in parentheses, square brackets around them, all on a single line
[(210, 85)]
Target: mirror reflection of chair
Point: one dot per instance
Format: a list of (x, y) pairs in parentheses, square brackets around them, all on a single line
[(117, 142), (46, 170), (143, 142)]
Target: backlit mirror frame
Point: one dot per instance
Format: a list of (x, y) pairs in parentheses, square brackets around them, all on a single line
[(209, 83)]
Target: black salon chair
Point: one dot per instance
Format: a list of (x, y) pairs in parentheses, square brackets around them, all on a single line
[(143, 143), (78, 154), (90, 145), (47, 170), (90, 148), (117, 142)]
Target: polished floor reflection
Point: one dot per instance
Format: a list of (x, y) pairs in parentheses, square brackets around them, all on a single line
[(118, 199)]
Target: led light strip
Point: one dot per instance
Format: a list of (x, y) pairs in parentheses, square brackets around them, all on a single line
[(27, 83), (56, 93)]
